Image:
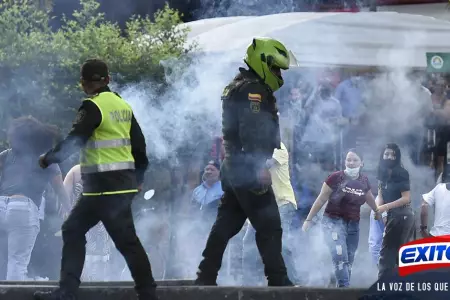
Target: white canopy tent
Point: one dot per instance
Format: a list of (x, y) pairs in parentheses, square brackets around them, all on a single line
[(381, 39)]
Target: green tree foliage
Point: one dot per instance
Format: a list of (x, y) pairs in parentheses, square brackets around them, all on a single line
[(39, 68)]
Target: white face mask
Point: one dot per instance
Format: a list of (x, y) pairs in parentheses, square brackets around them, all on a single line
[(352, 172)]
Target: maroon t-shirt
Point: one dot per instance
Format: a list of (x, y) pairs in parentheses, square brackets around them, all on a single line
[(348, 195)]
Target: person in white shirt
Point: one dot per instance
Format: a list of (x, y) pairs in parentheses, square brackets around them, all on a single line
[(439, 199), (287, 205)]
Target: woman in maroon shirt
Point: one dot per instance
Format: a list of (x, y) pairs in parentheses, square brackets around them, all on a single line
[(346, 191)]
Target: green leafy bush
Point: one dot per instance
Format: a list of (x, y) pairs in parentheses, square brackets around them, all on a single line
[(40, 67)]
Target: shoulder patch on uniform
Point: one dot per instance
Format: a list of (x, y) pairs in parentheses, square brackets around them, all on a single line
[(254, 97), (226, 91), (255, 106)]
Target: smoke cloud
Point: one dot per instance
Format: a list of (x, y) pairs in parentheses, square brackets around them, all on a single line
[(188, 115), (185, 118), (394, 107)]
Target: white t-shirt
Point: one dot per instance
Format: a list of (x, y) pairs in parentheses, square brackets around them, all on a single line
[(439, 197)]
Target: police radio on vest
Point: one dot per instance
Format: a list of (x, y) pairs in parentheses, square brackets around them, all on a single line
[(423, 256)]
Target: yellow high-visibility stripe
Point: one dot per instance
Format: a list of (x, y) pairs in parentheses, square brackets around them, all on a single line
[(111, 193), (108, 143)]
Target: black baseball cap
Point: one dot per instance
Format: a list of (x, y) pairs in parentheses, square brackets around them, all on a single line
[(94, 70)]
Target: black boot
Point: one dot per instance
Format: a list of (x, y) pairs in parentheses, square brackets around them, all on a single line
[(58, 294), (206, 278), (283, 281)]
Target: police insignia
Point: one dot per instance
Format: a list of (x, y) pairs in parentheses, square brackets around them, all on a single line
[(225, 92), (255, 107), (254, 97)]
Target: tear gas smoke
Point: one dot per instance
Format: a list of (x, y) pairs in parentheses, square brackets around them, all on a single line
[(185, 117), (189, 113)]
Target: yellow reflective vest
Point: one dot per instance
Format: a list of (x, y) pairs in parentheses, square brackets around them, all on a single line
[(109, 147)]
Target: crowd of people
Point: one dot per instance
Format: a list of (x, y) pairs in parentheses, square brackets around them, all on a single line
[(312, 176), (331, 116)]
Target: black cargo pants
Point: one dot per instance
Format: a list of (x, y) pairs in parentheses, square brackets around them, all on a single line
[(238, 204), (399, 230), (115, 213)]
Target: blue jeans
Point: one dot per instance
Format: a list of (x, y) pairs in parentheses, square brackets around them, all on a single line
[(252, 269), (342, 238)]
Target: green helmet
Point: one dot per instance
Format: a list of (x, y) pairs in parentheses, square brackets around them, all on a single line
[(266, 57)]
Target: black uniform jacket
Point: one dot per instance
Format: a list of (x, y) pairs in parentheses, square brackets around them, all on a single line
[(249, 124)]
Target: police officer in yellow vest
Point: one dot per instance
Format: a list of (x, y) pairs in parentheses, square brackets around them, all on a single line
[(113, 161)]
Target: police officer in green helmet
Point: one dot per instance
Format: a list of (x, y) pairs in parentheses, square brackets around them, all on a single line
[(251, 133), (113, 161), (266, 57)]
